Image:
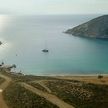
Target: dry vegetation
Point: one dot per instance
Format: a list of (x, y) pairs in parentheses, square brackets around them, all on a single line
[(38, 86), (80, 94), (1, 80), (19, 97), (26, 78)]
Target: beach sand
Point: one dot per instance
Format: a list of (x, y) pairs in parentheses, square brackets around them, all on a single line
[(87, 79)]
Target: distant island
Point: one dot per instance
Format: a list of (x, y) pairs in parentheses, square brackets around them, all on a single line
[(95, 28)]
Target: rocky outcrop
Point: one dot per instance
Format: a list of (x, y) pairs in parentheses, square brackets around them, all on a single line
[(1, 43), (95, 28)]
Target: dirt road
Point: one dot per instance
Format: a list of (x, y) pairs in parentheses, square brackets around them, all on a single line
[(3, 87), (41, 83), (52, 98)]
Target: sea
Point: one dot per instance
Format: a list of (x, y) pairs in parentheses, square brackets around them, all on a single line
[(24, 37)]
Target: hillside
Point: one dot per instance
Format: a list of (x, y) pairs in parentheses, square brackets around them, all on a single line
[(27, 91), (95, 28)]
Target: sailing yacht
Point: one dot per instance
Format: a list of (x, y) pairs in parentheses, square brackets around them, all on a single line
[(45, 50)]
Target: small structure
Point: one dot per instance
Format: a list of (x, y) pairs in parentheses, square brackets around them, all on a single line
[(100, 76), (7, 67)]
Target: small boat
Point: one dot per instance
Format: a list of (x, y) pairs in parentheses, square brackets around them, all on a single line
[(45, 50)]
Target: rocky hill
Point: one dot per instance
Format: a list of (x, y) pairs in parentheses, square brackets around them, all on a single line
[(95, 28)]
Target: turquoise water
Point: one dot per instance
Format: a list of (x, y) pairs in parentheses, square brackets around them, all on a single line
[(25, 36)]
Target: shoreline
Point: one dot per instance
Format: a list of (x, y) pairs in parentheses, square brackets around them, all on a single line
[(87, 78), (61, 75), (65, 74)]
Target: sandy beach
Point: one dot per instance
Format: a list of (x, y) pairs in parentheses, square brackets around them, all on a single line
[(87, 78)]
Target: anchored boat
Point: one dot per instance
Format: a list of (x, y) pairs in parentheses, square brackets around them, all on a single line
[(45, 50)]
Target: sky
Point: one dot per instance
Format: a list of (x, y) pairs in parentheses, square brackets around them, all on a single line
[(35, 7)]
